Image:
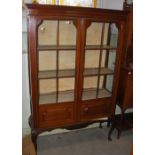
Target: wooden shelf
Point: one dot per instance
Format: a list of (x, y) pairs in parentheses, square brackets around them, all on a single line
[(73, 47), (71, 73), (94, 71), (52, 73), (91, 93), (54, 47), (97, 47), (63, 96), (68, 96)]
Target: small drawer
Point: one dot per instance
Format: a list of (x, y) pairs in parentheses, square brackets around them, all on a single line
[(55, 115), (94, 111)]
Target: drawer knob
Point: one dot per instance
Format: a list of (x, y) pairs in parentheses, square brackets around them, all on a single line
[(86, 109), (44, 113)]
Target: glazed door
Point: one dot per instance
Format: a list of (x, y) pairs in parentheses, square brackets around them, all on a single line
[(98, 68), (56, 49)]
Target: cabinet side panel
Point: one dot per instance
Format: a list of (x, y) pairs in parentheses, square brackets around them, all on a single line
[(33, 70), (121, 27)]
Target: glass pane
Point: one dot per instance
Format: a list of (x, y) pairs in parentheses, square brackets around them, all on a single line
[(105, 35), (102, 91), (47, 89), (67, 33), (108, 59), (109, 82), (112, 59), (56, 63), (67, 69), (92, 59), (113, 35), (110, 34), (100, 57), (47, 60), (89, 88), (47, 32), (66, 60), (66, 89), (103, 58), (90, 82), (93, 36)]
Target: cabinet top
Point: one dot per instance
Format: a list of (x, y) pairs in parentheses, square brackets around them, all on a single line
[(73, 11)]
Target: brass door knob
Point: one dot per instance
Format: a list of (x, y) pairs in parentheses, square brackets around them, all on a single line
[(86, 109)]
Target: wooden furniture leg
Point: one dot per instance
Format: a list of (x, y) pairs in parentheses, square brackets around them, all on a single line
[(121, 122), (100, 126), (34, 136), (112, 122), (110, 132), (108, 122)]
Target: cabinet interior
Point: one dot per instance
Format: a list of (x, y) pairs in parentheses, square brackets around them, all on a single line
[(57, 45)]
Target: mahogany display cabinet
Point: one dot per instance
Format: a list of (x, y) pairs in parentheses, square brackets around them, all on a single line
[(73, 65)]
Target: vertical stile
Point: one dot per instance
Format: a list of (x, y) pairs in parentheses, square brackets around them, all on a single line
[(100, 60), (83, 28), (39, 22), (57, 63), (107, 55)]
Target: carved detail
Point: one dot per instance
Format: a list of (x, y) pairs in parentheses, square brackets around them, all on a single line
[(39, 22), (88, 23), (118, 26), (75, 23)]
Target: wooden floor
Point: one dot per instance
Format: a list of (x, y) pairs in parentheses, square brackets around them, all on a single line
[(27, 146), (131, 150)]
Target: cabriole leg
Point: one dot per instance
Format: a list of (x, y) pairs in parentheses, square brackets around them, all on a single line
[(110, 132), (108, 122), (100, 126), (34, 136)]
